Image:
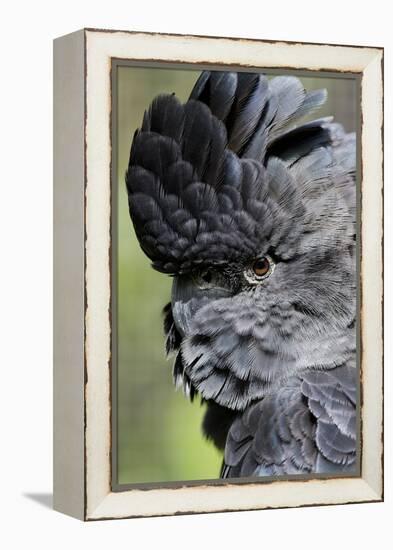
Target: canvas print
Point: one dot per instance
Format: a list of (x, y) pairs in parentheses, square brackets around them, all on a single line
[(236, 275)]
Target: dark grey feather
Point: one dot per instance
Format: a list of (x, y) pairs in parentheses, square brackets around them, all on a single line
[(282, 434), (215, 184)]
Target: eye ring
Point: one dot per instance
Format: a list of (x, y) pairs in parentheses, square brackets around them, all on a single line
[(259, 270), (261, 267)]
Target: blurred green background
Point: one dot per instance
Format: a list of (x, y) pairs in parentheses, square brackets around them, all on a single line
[(159, 430)]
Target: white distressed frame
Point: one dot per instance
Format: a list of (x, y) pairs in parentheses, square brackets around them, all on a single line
[(93, 498)]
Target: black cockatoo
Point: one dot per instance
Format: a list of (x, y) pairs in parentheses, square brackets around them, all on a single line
[(253, 214)]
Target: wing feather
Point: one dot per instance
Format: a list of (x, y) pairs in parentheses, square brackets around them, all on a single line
[(308, 425)]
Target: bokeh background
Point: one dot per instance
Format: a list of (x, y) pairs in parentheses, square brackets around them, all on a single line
[(159, 434)]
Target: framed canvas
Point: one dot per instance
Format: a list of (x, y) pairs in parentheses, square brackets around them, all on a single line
[(205, 177)]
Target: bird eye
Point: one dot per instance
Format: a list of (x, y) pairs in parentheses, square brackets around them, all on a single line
[(259, 270), (261, 267)]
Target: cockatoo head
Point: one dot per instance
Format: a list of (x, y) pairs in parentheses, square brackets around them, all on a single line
[(253, 217)]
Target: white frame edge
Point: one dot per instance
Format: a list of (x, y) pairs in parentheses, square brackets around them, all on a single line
[(100, 502)]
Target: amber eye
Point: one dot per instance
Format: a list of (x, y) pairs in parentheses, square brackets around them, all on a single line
[(261, 267), (259, 270)]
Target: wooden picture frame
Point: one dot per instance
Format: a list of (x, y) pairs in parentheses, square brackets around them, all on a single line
[(83, 359)]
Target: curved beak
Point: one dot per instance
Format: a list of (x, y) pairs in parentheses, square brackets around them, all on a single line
[(188, 297)]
